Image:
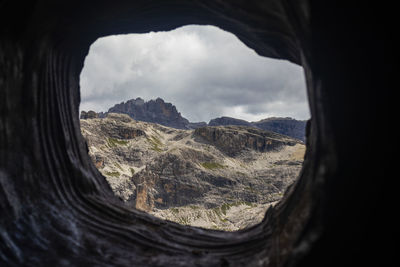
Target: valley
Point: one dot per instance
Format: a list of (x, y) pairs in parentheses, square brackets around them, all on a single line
[(215, 177)]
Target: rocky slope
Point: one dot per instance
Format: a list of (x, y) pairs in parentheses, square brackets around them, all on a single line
[(161, 112), (222, 177)]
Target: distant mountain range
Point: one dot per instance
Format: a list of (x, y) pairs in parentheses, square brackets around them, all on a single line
[(161, 112)]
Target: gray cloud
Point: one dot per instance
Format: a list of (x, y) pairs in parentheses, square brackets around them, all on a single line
[(204, 71)]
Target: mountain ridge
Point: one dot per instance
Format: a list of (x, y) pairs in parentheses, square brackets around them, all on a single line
[(164, 113)]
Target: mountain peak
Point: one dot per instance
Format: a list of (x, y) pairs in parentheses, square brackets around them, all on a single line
[(155, 111), (165, 113), (228, 121)]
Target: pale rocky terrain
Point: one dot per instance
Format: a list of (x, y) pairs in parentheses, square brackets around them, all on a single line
[(220, 177)]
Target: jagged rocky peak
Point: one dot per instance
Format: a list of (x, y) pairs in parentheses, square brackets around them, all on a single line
[(138, 101), (155, 111), (164, 113), (88, 115)]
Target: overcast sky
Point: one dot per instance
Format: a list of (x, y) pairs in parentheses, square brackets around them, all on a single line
[(204, 71)]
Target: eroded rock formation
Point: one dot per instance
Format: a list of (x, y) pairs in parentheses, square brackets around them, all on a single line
[(156, 111), (194, 176), (286, 126), (233, 140)]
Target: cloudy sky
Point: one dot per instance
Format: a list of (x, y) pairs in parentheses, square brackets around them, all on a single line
[(204, 71)]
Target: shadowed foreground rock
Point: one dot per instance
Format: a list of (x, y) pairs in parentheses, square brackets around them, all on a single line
[(57, 210)]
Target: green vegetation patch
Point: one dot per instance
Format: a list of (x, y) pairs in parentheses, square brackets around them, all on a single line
[(251, 189), (212, 165), (214, 227), (113, 174), (226, 206), (218, 212), (175, 210), (118, 166), (113, 142), (132, 171), (156, 143), (184, 220)]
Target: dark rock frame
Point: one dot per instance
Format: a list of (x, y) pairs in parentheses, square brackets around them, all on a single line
[(57, 210)]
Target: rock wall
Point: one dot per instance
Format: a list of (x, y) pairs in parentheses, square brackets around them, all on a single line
[(286, 126), (232, 140), (156, 111), (56, 208)]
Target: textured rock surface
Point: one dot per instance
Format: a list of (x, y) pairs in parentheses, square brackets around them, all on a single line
[(287, 126), (234, 139), (228, 121), (156, 111), (58, 210), (89, 115), (204, 172)]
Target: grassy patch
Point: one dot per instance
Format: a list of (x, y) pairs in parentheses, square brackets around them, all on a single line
[(173, 149), (241, 174), (175, 210), (113, 174), (184, 220), (157, 133), (118, 166), (132, 171), (247, 203), (212, 165), (221, 210), (156, 143), (251, 189), (198, 215), (113, 142), (225, 207), (218, 212)]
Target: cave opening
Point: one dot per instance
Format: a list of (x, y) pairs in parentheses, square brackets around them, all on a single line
[(164, 158), (57, 209)]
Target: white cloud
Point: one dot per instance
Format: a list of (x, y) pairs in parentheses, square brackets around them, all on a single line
[(204, 71)]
